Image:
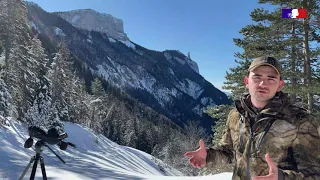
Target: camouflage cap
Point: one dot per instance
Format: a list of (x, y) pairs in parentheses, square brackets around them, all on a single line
[(266, 61)]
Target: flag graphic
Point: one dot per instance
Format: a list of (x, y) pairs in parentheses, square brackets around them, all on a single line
[(294, 13)]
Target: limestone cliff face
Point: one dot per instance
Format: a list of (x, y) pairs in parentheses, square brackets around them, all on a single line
[(94, 21)]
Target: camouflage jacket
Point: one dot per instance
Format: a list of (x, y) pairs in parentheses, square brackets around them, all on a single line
[(288, 133)]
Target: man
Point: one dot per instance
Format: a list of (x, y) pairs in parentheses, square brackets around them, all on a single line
[(268, 137)]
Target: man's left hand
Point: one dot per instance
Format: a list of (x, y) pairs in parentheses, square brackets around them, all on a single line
[(273, 170)]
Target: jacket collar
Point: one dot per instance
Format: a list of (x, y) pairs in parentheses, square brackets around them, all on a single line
[(273, 108)]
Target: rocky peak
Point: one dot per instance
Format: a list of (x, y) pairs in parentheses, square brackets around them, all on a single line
[(91, 20)]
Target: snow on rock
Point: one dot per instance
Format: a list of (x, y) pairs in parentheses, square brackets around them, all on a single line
[(181, 61), (59, 32), (207, 101), (112, 40), (198, 110), (35, 27), (2, 58), (75, 19), (171, 71), (191, 88), (89, 41), (122, 76), (168, 56), (129, 44)]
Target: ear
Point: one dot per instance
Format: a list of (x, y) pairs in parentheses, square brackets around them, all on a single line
[(281, 84), (246, 81)]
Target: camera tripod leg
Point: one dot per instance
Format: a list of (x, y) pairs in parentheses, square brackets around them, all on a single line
[(34, 168), (43, 169), (27, 168)]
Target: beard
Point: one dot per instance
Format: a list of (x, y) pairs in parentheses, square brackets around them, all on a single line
[(262, 95)]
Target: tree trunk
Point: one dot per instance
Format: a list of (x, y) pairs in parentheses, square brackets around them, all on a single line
[(307, 63), (293, 78)]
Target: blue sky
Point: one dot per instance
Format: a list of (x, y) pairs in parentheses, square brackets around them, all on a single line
[(205, 28)]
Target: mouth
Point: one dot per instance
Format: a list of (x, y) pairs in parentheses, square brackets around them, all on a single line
[(261, 91)]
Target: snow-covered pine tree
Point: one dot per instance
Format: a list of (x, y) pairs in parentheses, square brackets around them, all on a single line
[(5, 100), (21, 55), (54, 121), (79, 111), (61, 80), (37, 66), (97, 106), (41, 110), (43, 113)]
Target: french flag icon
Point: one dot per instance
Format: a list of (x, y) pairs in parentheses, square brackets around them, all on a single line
[(294, 13)]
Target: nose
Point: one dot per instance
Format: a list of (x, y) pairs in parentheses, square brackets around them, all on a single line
[(263, 83)]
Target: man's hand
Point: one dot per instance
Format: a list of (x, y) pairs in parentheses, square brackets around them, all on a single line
[(273, 171), (198, 157)]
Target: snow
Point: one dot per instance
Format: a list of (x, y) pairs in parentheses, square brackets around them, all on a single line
[(75, 19), (95, 157), (191, 88), (122, 76), (167, 55), (2, 58), (171, 71), (207, 101), (198, 110), (181, 61), (129, 44), (111, 40), (96, 100), (35, 27), (89, 41), (174, 92), (317, 100), (59, 32)]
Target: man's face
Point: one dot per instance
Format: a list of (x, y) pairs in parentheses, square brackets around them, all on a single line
[(263, 83)]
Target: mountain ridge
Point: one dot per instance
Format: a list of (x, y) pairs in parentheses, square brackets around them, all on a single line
[(167, 81)]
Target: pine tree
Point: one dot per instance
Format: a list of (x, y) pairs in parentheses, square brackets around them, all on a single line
[(61, 80), (98, 106), (219, 112), (23, 55), (97, 89), (79, 110), (5, 100), (13, 28), (39, 114)]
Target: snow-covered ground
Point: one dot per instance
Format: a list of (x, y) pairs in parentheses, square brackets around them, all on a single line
[(95, 157)]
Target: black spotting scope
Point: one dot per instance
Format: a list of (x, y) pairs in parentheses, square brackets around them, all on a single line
[(50, 137)]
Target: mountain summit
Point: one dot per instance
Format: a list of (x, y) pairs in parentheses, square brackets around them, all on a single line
[(91, 20)]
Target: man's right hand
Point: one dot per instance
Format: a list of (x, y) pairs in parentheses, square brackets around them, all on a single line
[(198, 157)]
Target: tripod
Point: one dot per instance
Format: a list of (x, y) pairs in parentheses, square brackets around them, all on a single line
[(35, 159)]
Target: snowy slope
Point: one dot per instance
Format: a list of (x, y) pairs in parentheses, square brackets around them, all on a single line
[(95, 157)]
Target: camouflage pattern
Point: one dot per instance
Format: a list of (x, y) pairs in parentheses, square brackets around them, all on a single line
[(293, 141)]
